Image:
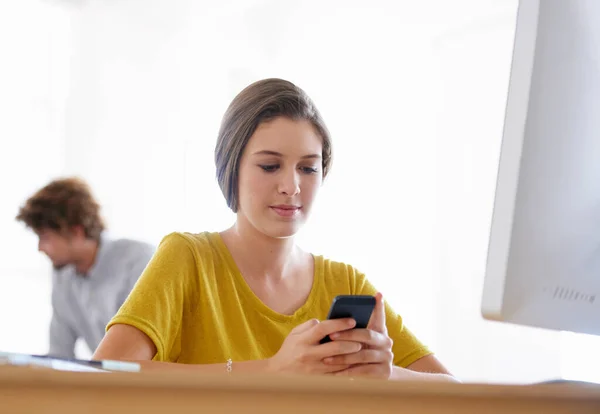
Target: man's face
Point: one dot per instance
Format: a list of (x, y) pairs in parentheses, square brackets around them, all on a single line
[(57, 246)]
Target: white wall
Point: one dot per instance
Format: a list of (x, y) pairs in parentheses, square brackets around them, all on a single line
[(413, 93), (34, 77)]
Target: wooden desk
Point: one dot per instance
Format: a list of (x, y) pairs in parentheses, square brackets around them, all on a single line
[(27, 390)]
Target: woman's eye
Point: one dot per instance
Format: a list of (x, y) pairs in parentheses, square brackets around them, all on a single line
[(269, 168), (309, 170)]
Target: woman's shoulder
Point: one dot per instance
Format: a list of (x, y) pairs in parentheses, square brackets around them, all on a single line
[(202, 244), (340, 273), (335, 267)]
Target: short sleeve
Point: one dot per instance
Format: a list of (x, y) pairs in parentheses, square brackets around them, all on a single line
[(407, 348), (164, 293)]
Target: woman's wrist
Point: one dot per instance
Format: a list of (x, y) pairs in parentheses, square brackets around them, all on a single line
[(399, 374), (269, 365), (259, 365)]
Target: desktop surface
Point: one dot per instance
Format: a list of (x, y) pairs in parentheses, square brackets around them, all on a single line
[(39, 390)]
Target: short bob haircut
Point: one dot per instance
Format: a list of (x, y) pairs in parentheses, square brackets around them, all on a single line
[(262, 101)]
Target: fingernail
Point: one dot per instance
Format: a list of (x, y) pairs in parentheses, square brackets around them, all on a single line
[(334, 335)]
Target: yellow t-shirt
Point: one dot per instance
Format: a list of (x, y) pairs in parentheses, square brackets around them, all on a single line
[(195, 305)]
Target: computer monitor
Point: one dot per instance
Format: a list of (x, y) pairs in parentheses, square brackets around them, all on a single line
[(543, 265)]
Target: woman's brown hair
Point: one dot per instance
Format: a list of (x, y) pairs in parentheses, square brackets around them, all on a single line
[(61, 205), (261, 102)]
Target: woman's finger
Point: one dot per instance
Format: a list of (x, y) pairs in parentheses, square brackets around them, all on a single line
[(303, 327), (371, 338), (328, 327), (377, 321), (371, 370), (365, 356), (335, 348)]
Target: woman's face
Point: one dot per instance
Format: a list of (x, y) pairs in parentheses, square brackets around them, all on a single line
[(280, 174)]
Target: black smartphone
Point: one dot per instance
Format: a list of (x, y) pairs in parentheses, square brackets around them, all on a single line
[(357, 307)]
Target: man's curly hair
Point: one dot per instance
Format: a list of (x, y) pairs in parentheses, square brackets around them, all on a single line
[(61, 205)]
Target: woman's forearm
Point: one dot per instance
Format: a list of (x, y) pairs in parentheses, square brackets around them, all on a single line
[(403, 374), (243, 366)]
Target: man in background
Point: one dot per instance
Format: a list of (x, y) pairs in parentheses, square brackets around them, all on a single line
[(93, 273)]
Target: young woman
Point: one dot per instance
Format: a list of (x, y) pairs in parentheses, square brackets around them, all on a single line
[(247, 298)]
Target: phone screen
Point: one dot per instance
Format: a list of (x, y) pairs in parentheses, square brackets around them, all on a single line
[(357, 307)]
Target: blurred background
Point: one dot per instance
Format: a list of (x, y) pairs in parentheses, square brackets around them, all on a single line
[(129, 95)]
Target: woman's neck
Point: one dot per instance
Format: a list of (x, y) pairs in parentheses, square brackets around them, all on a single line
[(259, 255)]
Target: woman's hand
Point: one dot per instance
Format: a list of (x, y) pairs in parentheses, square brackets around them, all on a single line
[(375, 358), (302, 353)]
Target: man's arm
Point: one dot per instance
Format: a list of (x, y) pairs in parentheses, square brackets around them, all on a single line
[(138, 264), (62, 338), (62, 335)]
